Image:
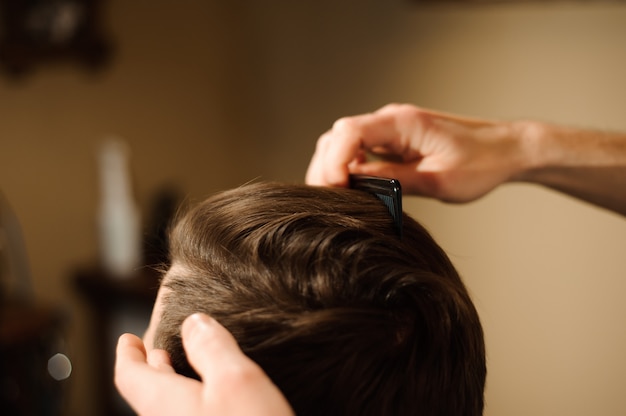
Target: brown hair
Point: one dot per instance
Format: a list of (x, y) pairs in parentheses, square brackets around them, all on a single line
[(317, 288)]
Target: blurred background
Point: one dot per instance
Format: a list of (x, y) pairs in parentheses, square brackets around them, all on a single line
[(206, 95)]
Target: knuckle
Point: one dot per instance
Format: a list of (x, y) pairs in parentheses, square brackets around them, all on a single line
[(324, 141), (345, 124), (408, 114), (399, 107), (391, 107), (412, 113)]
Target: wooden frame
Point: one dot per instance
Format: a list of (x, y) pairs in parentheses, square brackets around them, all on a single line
[(34, 32)]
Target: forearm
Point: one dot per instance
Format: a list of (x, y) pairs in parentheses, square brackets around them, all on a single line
[(587, 164)]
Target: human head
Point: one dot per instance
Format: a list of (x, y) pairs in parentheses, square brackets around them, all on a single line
[(315, 285)]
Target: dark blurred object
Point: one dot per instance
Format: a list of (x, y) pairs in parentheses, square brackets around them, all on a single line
[(114, 306), (33, 32), (15, 279), (33, 367), (163, 209), (31, 339)]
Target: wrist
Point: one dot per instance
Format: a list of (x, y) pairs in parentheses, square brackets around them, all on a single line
[(536, 151)]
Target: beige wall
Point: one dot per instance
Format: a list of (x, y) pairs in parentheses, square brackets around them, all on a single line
[(211, 95)]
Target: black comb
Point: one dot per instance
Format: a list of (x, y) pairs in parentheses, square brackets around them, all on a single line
[(387, 190)]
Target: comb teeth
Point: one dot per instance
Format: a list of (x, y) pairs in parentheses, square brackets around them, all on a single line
[(394, 210), (386, 190), (388, 201)]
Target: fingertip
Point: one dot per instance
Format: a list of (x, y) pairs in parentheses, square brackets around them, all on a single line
[(198, 328), (196, 321), (124, 339), (129, 353), (338, 178), (129, 340), (205, 340), (130, 349), (312, 176), (323, 170)]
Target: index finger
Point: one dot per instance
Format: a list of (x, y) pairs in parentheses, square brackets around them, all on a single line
[(389, 128), (145, 387)]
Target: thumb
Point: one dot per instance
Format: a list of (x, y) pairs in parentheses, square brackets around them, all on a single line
[(210, 348), (233, 383)]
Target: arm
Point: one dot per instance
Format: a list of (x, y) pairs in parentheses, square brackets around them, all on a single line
[(587, 164), (232, 384), (459, 159)]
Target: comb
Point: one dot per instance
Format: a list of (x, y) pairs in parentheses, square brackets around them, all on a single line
[(387, 190)]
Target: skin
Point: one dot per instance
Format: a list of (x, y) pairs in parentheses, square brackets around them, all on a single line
[(232, 384), (459, 159)]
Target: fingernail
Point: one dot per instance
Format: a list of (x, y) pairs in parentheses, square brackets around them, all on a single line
[(196, 322), (123, 340)]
